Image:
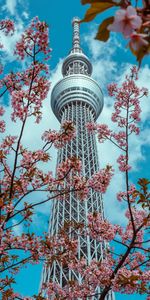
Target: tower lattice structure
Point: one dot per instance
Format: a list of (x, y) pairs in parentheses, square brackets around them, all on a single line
[(77, 97)]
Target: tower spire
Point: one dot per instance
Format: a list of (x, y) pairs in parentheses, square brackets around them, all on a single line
[(76, 35), (76, 62)]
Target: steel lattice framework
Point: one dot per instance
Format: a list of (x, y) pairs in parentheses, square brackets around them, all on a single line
[(77, 97)]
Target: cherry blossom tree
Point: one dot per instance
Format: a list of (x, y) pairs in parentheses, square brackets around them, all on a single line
[(124, 270), (132, 19)]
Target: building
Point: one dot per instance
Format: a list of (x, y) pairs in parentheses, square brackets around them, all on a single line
[(77, 97)]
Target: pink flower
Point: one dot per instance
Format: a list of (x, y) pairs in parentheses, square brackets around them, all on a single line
[(59, 139), (126, 21), (100, 229), (123, 166), (2, 126), (137, 41), (91, 127), (101, 180), (103, 132), (7, 26), (2, 123)]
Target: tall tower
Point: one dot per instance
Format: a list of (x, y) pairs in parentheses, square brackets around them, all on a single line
[(77, 97)]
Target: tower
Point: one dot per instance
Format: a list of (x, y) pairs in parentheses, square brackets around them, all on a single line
[(77, 97)]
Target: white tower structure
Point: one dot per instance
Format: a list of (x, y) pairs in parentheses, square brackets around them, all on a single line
[(77, 97)]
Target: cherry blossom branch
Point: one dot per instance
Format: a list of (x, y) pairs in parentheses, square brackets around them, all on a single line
[(10, 227), (43, 201), (121, 243), (141, 264), (121, 262), (16, 264), (19, 140), (1, 95), (127, 161), (147, 241), (110, 139), (141, 248)]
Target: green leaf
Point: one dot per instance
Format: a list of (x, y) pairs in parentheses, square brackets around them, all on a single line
[(103, 33), (140, 53), (143, 181), (95, 9)]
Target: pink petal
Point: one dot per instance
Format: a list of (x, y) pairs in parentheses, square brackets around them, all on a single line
[(136, 22), (120, 15), (127, 30), (131, 11), (116, 26)]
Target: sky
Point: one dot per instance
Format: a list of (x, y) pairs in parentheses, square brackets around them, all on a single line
[(110, 61)]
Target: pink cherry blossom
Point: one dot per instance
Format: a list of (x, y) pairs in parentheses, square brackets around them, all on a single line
[(91, 127), (100, 229), (123, 165), (2, 126), (7, 26), (139, 216), (131, 193), (80, 185), (101, 180), (7, 143), (34, 40), (2, 122), (59, 139), (71, 164), (126, 21), (103, 132)]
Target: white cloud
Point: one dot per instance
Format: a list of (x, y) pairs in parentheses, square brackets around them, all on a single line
[(9, 43), (11, 6), (17, 229), (25, 15)]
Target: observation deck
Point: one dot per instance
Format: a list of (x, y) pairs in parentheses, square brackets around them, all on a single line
[(77, 84)]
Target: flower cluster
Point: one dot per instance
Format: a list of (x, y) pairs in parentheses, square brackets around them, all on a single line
[(2, 123), (126, 21), (28, 89), (7, 143), (130, 24), (59, 139), (123, 165), (99, 273), (28, 102), (91, 127), (29, 158), (71, 165), (100, 180), (130, 194), (140, 217), (104, 132), (34, 40), (130, 281), (7, 26), (80, 185), (100, 229)]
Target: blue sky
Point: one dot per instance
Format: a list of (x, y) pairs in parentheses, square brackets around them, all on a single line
[(110, 62)]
